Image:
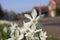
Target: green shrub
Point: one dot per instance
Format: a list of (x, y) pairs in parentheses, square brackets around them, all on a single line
[(4, 35)]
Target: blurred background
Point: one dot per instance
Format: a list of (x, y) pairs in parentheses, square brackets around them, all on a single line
[(14, 10)]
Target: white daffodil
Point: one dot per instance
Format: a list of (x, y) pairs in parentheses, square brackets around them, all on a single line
[(5, 29), (17, 36), (24, 28), (28, 24), (32, 32), (20, 37), (10, 39), (34, 19), (43, 35), (12, 28)]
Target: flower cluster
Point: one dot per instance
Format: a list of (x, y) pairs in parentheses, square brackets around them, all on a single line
[(29, 30)]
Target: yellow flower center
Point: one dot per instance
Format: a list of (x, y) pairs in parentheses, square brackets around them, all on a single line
[(34, 21)]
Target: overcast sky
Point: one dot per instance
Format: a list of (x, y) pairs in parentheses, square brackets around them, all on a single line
[(22, 5)]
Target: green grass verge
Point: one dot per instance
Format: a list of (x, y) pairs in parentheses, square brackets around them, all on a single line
[(52, 38)]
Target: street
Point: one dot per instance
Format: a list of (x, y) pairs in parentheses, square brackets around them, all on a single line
[(52, 26)]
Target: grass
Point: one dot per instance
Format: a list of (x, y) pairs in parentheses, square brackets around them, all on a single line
[(52, 38), (4, 35)]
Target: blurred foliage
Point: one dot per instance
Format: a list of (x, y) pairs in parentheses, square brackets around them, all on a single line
[(5, 24), (4, 35), (57, 12)]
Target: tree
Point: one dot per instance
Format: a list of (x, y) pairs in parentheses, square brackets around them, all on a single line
[(1, 13), (12, 16)]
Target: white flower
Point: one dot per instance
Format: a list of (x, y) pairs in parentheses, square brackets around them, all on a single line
[(5, 29), (12, 28), (32, 32), (20, 37), (10, 39), (24, 28), (28, 24), (17, 36), (34, 19), (43, 35)]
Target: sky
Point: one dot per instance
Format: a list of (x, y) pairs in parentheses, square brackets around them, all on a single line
[(22, 5)]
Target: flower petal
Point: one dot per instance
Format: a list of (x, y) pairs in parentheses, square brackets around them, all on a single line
[(38, 30), (10, 39), (33, 27), (34, 14), (38, 17), (21, 37), (11, 34), (45, 33), (17, 33), (28, 29), (28, 16), (28, 24), (5, 29), (28, 34)]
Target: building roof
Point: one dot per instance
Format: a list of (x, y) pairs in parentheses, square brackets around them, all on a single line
[(42, 7), (56, 0)]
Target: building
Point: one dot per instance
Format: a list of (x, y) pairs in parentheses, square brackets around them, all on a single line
[(44, 10), (49, 10)]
